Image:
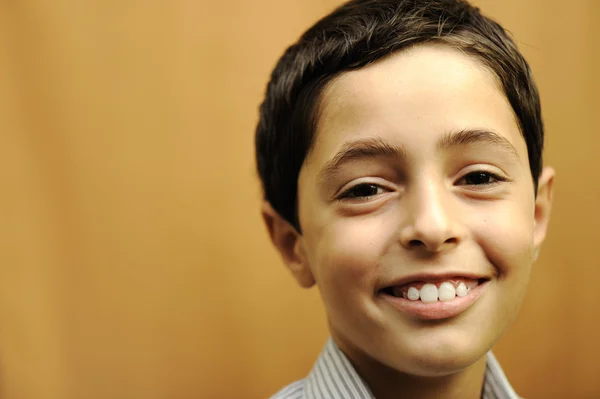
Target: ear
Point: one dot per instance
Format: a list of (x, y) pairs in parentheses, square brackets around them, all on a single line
[(543, 205), (290, 245)]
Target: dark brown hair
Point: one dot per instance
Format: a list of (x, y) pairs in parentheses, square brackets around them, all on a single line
[(359, 33)]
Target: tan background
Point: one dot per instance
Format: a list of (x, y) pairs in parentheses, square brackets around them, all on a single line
[(133, 262)]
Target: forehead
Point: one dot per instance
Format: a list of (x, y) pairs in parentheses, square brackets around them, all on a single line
[(412, 98)]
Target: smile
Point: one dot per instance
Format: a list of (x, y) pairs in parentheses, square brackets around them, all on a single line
[(432, 300)]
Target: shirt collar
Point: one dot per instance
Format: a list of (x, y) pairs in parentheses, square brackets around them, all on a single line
[(334, 377)]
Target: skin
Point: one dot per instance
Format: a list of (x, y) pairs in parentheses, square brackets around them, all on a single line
[(421, 206)]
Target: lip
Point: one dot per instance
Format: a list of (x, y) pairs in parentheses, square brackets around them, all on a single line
[(435, 277), (438, 310)]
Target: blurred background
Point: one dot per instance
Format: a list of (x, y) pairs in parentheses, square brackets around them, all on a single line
[(133, 259)]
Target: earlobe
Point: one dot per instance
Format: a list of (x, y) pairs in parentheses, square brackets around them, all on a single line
[(543, 206), (290, 245)]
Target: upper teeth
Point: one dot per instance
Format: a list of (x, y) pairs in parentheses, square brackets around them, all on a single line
[(430, 293)]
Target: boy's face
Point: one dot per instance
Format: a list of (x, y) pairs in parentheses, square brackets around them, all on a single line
[(418, 174)]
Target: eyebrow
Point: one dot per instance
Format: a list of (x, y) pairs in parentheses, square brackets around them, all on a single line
[(476, 136), (378, 147), (359, 149)]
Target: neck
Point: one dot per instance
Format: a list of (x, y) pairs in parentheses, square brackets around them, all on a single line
[(387, 383)]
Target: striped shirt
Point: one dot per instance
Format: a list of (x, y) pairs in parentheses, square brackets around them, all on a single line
[(334, 377)]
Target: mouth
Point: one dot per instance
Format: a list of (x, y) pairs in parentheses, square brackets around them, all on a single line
[(435, 299)]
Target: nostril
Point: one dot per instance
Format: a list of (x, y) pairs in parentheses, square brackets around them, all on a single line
[(416, 243)]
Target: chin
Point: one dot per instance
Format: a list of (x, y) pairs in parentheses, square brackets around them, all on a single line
[(434, 355), (437, 365)]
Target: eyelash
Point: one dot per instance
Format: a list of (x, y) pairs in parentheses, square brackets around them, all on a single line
[(495, 177), (347, 195)]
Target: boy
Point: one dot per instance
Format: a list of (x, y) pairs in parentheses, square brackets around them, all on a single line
[(399, 148)]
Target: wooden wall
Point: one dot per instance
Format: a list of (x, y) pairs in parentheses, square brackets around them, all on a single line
[(133, 261)]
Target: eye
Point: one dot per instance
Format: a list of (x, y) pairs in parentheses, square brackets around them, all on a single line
[(363, 191), (480, 178)]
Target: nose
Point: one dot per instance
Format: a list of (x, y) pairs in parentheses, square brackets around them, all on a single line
[(431, 223)]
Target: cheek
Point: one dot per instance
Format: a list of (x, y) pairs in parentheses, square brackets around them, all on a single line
[(346, 256), (506, 237)]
